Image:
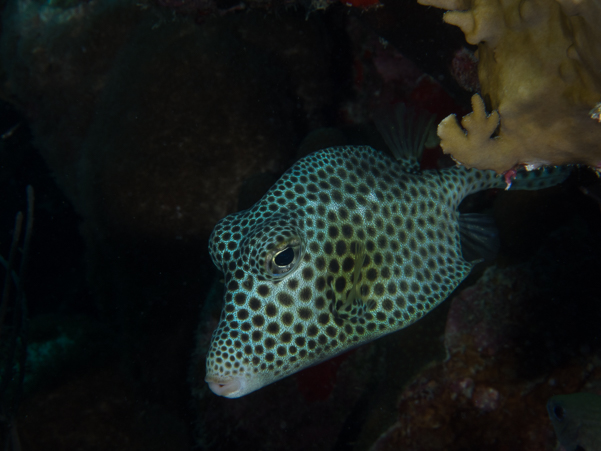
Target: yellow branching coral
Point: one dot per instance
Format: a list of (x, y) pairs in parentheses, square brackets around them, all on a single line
[(540, 70)]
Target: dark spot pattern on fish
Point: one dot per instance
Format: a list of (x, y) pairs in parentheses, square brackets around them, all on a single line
[(373, 249)]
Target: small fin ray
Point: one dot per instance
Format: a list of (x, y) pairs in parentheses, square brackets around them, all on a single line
[(405, 131), (479, 237)]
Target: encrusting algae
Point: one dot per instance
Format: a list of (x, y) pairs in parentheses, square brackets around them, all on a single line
[(540, 74), (349, 245)]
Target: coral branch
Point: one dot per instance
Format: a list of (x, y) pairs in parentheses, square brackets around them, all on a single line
[(472, 146), (540, 68)]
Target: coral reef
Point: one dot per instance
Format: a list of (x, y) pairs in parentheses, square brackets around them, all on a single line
[(539, 73), (448, 407), (121, 111)]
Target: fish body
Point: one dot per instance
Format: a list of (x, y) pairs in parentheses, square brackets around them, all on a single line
[(576, 419), (349, 245)]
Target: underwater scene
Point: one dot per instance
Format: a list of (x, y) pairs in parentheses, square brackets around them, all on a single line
[(336, 225)]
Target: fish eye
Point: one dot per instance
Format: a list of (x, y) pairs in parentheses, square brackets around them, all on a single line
[(559, 412), (283, 260)]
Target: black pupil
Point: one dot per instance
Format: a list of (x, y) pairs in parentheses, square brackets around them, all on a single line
[(558, 411), (285, 257)]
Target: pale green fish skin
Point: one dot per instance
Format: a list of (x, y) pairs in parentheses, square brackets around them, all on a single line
[(332, 209), (576, 419)]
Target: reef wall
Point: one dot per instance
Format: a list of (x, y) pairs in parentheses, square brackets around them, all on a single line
[(151, 124)]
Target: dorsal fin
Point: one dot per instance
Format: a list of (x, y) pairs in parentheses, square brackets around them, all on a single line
[(405, 131)]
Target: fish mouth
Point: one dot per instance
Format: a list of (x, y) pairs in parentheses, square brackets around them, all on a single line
[(228, 387)]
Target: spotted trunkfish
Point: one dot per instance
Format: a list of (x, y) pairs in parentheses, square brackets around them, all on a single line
[(349, 245)]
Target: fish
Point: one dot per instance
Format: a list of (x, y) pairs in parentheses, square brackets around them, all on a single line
[(350, 244), (576, 419)]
